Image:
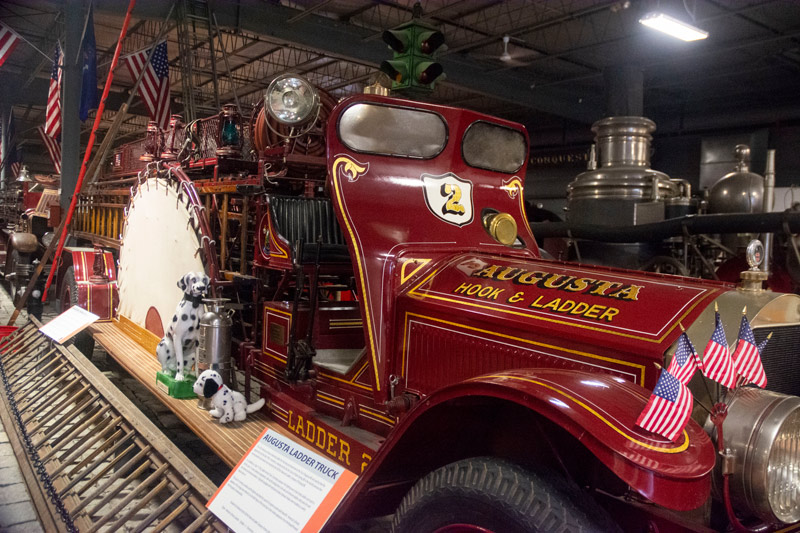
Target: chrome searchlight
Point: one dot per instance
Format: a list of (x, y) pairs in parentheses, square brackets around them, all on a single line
[(291, 100)]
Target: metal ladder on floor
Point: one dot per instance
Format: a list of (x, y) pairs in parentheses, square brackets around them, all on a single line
[(91, 459)]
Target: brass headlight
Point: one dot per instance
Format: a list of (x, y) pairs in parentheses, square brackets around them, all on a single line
[(763, 432)]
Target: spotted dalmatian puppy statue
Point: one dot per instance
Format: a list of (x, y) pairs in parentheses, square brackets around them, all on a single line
[(226, 404), (177, 351)]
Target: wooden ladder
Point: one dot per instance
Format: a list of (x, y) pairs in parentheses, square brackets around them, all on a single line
[(92, 461)]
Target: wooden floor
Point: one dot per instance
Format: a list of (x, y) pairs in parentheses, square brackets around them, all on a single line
[(229, 441)]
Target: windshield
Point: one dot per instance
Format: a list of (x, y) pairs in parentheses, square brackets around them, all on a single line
[(395, 131), (493, 147)]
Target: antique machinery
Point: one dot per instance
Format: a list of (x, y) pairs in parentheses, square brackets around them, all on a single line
[(620, 189)]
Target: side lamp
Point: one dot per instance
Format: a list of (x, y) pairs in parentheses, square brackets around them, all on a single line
[(173, 139), (229, 136), (153, 142)]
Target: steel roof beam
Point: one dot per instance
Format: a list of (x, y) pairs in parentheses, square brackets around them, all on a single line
[(346, 42)]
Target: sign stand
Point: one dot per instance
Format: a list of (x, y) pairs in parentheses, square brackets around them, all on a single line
[(280, 486)]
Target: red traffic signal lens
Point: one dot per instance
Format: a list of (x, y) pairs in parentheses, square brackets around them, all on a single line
[(429, 72), (430, 41)]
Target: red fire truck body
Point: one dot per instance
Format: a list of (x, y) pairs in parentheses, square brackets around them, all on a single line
[(472, 347), (405, 325)]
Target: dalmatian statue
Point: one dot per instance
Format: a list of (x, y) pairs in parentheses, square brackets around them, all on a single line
[(227, 404), (177, 351)]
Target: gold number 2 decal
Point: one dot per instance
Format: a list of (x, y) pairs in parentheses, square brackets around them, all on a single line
[(453, 194)]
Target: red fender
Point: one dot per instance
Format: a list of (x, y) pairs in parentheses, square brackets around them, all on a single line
[(100, 296), (600, 411)]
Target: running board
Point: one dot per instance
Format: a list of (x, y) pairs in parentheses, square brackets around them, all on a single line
[(92, 461)]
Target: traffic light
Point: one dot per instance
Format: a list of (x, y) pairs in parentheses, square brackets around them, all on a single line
[(413, 67)]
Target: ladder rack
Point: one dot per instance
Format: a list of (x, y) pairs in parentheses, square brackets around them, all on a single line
[(92, 461)]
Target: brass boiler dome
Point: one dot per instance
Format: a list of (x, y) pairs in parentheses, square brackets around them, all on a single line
[(740, 191), (609, 194)]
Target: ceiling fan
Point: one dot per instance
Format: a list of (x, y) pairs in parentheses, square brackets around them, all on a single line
[(517, 56)]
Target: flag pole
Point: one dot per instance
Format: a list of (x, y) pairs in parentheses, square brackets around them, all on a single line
[(18, 34), (122, 113), (97, 119), (87, 154)]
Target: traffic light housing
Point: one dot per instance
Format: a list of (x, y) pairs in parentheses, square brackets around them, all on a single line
[(413, 67)]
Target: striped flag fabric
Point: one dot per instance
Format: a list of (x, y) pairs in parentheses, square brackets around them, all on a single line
[(684, 363), (154, 88), (8, 41), (717, 362), (668, 409), (52, 124), (53, 148), (746, 357)]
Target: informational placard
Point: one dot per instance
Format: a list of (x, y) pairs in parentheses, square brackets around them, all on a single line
[(280, 486), (69, 323)]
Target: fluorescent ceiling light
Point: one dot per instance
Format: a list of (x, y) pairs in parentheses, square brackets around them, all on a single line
[(672, 26)]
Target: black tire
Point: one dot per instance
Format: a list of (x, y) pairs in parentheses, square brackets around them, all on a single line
[(68, 298), (489, 494)]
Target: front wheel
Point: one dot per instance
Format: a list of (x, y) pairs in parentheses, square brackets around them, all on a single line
[(485, 494)]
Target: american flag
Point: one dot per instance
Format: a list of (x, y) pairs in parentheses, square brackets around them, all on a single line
[(8, 41), (52, 123), (668, 410), (746, 357), (684, 363), (154, 88), (53, 148), (717, 362)]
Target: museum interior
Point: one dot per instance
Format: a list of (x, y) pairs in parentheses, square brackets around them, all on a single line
[(373, 266)]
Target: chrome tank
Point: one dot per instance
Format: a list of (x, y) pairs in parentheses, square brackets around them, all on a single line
[(214, 351), (623, 190), (740, 191)]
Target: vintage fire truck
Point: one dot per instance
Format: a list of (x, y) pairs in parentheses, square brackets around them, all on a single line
[(392, 306)]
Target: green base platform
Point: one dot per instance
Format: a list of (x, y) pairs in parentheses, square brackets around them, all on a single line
[(176, 389)]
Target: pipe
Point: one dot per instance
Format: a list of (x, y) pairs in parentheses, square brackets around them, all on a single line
[(673, 227), (769, 200), (97, 119)]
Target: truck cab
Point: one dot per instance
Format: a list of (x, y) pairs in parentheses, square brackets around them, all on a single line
[(419, 338)]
